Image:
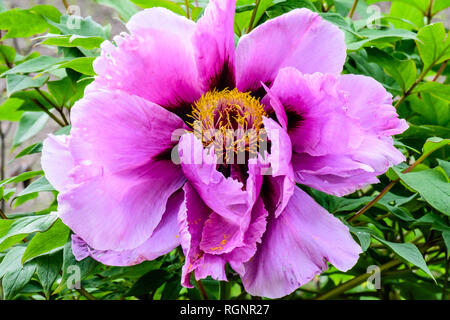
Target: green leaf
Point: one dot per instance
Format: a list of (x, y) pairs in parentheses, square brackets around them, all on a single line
[(13, 282), (86, 266), (392, 203), (9, 110), (4, 227), (47, 270), (35, 65), (429, 110), (363, 236), (170, 5), (125, 8), (432, 184), (403, 71), (445, 165), (21, 177), (375, 36), (47, 242), (33, 149), (149, 283), (62, 90), (433, 144), (82, 65), (31, 99), (30, 125), (87, 27), (16, 82), (7, 54), (408, 16), (446, 237), (40, 185), (20, 200), (439, 90), (408, 252), (171, 289), (440, 5), (32, 21), (70, 41), (11, 261), (433, 44), (26, 225)]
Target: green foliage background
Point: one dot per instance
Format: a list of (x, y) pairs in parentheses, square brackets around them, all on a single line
[(401, 223)]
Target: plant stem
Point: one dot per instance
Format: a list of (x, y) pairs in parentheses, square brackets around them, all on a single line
[(355, 282), (430, 12), (202, 290), (66, 5), (188, 14), (51, 115), (410, 90), (252, 18), (387, 188), (352, 10), (3, 215), (57, 108), (441, 69), (86, 294), (421, 77)]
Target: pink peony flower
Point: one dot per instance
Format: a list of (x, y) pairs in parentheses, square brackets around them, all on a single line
[(127, 200)]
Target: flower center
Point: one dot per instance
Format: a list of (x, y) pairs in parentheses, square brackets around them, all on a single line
[(230, 120)]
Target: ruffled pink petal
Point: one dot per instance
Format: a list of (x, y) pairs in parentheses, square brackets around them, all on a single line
[(194, 220), (253, 236), (213, 266), (156, 61), (372, 105), (316, 111), (300, 39), (214, 45), (220, 235), (190, 221), (224, 196), (280, 183), (121, 132), (57, 161), (164, 239), (119, 212), (341, 137), (295, 248), (123, 174)]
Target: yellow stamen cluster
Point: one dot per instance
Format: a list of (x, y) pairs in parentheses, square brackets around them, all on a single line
[(229, 119)]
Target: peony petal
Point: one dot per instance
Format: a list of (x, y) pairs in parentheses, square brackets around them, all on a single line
[(223, 195), (195, 240), (156, 61), (279, 185), (121, 132), (123, 176), (300, 39), (190, 221), (316, 112), (57, 161), (253, 236), (318, 107), (372, 105), (213, 266), (295, 247), (116, 212), (214, 45), (163, 240), (221, 235)]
